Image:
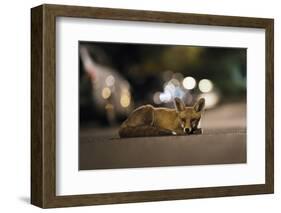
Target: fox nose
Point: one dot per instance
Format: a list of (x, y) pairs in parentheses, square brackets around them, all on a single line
[(187, 130)]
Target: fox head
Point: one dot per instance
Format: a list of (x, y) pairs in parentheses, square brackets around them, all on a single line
[(189, 117)]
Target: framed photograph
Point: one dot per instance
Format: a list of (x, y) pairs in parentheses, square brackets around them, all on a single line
[(136, 106)]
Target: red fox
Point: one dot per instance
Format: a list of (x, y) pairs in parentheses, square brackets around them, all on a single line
[(152, 121)]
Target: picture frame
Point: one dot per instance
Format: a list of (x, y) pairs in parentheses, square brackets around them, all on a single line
[(43, 105)]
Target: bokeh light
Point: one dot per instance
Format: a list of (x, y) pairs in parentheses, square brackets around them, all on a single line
[(156, 98), (189, 83), (211, 99), (175, 82), (110, 80), (125, 100), (205, 85), (106, 92), (178, 76), (169, 88), (165, 97)]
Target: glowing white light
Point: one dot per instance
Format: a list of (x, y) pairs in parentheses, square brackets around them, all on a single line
[(205, 85), (169, 88), (165, 97), (110, 80), (189, 83)]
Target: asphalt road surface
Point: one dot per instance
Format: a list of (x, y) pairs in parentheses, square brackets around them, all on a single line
[(223, 142)]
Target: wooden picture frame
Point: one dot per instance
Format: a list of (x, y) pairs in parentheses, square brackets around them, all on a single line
[(43, 105)]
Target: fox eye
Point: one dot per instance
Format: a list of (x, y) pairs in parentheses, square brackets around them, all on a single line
[(194, 122)]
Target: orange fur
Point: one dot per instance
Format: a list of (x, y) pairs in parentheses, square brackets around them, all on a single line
[(152, 121)]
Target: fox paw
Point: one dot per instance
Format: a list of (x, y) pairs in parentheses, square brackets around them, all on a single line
[(198, 131)]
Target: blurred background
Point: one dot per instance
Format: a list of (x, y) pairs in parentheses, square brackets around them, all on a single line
[(115, 78)]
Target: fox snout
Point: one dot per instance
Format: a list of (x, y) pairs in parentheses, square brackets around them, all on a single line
[(185, 125), (187, 130)]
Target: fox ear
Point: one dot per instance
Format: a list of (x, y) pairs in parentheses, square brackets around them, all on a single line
[(200, 104), (179, 104)]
